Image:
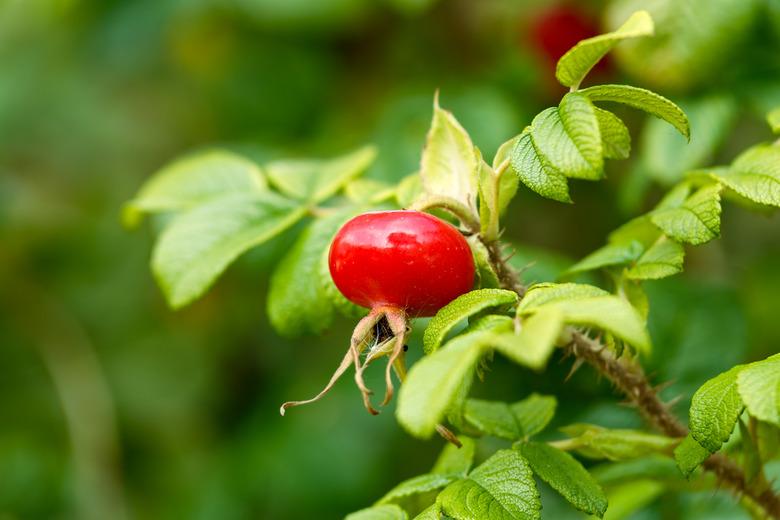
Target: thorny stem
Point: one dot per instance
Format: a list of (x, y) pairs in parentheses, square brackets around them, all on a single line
[(628, 377)]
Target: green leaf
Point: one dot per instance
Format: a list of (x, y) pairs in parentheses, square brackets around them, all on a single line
[(615, 139), (501, 488), (461, 308), (534, 413), (315, 180), (751, 459), (755, 175), (369, 191), (566, 476), (432, 512), (642, 99), (417, 485), (533, 345), (773, 118), (198, 245), (609, 255), (639, 229), (488, 279), (609, 313), (715, 408), (454, 460), (409, 190), (759, 387), (689, 454), (696, 221), (383, 512), (522, 419), (568, 138), (577, 62), (298, 302), (543, 293), (536, 172), (658, 467), (434, 382), (666, 156), (194, 180), (616, 444), (631, 497), (662, 259), (449, 165)]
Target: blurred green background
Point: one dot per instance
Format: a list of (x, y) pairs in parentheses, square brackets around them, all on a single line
[(113, 406)]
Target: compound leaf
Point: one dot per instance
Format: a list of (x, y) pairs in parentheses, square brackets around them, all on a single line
[(615, 139), (535, 171), (566, 476), (755, 174), (715, 408), (664, 258), (696, 221)]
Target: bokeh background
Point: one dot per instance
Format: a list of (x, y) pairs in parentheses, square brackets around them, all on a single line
[(113, 406)]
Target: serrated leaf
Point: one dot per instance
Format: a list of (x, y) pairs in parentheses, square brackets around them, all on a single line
[(522, 419), (568, 138), (662, 259), (198, 245), (194, 180), (315, 180), (759, 387), (383, 512), (533, 345), (616, 444), (566, 476), (432, 512), (715, 408), (298, 302), (608, 313), (577, 62), (543, 293), (696, 221), (534, 413), (449, 165), (615, 139), (773, 118), (689, 454), (666, 156), (609, 255), (417, 485), (488, 279), (501, 488), (434, 382), (455, 460), (461, 308), (641, 99), (536, 172), (755, 175)]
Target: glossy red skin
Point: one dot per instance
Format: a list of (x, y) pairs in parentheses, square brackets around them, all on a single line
[(404, 259)]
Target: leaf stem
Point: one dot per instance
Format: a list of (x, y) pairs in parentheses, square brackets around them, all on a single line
[(629, 378)]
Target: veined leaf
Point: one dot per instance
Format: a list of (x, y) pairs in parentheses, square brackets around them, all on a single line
[(715, 408), (615, 139), (642, 99), (773, 118), (536, 172), (696, 221), (194, 180), (611, 254), (297, 299), (383, 512), (449, 166), (568, 138), (454, 460), (543, 293), (417, 485), (198, 245), (759, 386), (535, 342), (432, 512), (501, 488), (689, 454), (577, 62), (461, 308), (315, 180), (566, 476), (662, 259), (616, 444), (434, 382), (492, 418), (755, 175), (534, 413)]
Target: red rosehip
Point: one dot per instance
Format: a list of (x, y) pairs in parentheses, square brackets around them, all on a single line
[(407, 260)]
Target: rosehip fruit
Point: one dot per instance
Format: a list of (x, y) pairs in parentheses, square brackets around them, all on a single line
[(407, 260)]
